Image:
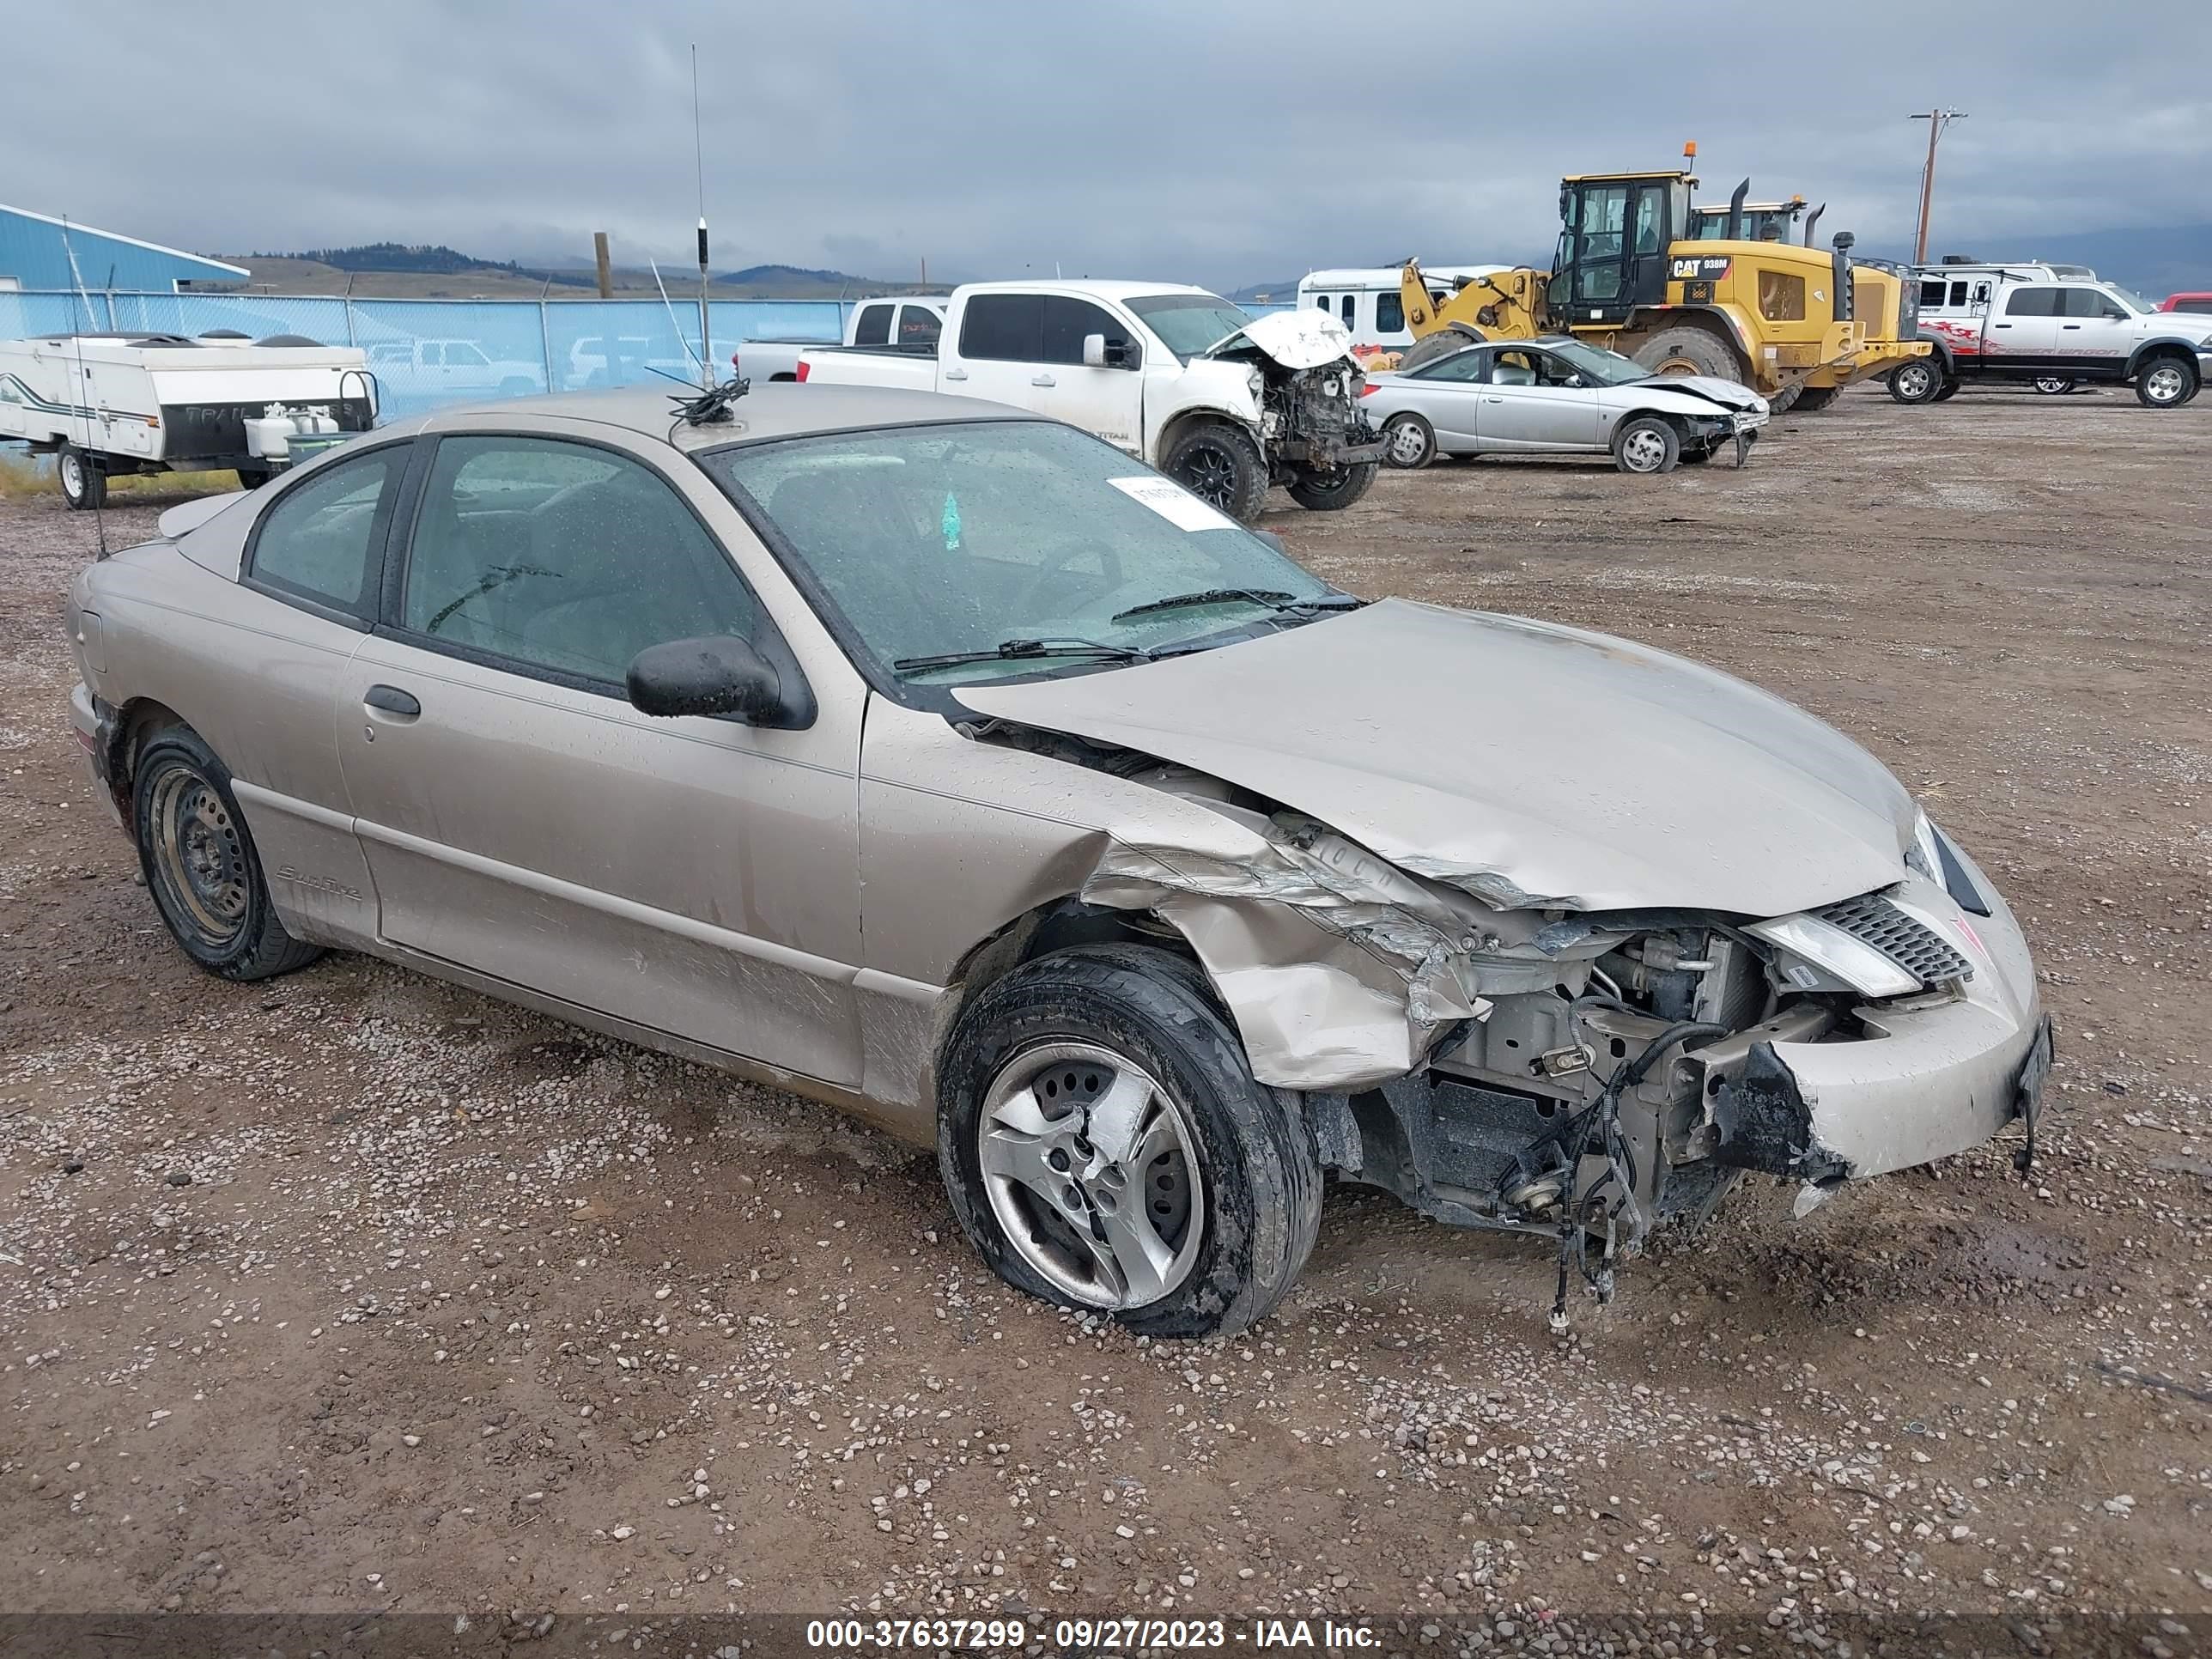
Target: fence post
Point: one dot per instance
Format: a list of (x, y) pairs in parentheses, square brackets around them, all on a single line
[(347, 301), (545, 344)]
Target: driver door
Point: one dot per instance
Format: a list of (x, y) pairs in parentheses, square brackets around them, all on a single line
[(521, 819), (1528, 406)]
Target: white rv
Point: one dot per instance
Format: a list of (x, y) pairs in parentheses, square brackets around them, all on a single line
[(1365, 300), (109, 404)]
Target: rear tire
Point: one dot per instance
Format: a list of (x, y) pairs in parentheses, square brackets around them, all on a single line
[(1920, 381), (1227, 1187), (1647, 446), (200, 864), (1332, 492), (2054, 386), (1950, 391), (2166, 382), (1694, 351), (1409, 442), (83, 479), (1221, 466), (1812, 399)]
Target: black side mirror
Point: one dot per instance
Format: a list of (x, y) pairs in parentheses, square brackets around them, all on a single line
[(716, 675)]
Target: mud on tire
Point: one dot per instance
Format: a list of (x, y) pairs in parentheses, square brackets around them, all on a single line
[(200, 863), (1251, 1155)]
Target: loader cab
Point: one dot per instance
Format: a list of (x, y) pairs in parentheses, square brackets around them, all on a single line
[(1614, 232)]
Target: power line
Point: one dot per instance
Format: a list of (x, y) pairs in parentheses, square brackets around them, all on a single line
[(1938, 119)]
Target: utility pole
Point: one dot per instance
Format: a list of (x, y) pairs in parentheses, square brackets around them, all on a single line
[(1938, 119), (606, 265)]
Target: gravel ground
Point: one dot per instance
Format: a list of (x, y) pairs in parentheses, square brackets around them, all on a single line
[(353, 1292)]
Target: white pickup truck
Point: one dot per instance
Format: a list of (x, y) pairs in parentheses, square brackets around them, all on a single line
[(898, 322), (1223, 402)]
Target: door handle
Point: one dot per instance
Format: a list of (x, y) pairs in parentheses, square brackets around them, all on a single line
[(392, 700), (956, 373), (2000, 324), (1043, 379), (2069, 325), (1494, 400)]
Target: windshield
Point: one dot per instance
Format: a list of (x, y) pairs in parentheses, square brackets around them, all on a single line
[(2133, 300), (1188, 323), (931, 541), (1595, 364)]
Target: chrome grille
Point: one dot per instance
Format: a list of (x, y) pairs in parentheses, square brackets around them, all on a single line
[(1873, 920)]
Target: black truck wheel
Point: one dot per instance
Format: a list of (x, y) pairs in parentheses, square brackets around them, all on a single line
[(2167, 382), (1693, 351), (1812, 397), (1220, 465), (1332, 492)]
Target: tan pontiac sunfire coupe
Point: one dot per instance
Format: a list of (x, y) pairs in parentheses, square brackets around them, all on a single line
[(948, 764)]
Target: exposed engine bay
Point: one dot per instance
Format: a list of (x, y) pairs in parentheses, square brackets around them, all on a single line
[(1308, 387)]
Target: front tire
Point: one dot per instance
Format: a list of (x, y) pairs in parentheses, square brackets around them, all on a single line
[(1105, 1147), (201, 865), (83, 479), (1409, 442), (1919, 381), (2165, 383), (1332, 492), (1221, 466), (1646, 445)]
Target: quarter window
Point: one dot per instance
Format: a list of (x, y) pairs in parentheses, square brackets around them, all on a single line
[(1003, 327), (1467, 367), (323, 540), (1390, 314), (563, 558)]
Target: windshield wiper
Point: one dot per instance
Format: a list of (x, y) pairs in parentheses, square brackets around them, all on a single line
[(1021, 650), (1273, 598)]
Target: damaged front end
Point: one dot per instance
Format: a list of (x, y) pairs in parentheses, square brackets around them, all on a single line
[(1310, 422), (1506, 1059)]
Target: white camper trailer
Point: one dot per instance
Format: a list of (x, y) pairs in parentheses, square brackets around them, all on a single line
[(109, 404)]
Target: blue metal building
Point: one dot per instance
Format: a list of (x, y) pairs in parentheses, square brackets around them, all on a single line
[(35, 249)]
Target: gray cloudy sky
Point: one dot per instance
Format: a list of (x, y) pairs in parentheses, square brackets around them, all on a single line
[(1225, 141)]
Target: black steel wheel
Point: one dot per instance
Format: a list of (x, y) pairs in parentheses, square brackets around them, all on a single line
[(200, 863)]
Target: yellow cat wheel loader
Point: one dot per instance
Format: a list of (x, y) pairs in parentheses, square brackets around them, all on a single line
[(1685, 290)]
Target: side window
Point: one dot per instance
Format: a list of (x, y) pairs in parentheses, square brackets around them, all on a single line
[(433, 354), (2204, 304), (324, 539), (1323, 301), (1067, 321), (1648, 200), (874, 327), (1931, 294), (2088, 302), (1514, 368), (2033, 302), (1466, 368), (1981, 293), (1390, 314), (564, 557), (1003, 327), (1351, 305), (919, 327)]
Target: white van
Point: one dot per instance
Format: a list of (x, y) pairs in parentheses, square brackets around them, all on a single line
[(1366, 301)]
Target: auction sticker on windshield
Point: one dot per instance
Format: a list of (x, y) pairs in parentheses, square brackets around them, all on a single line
[(1174, 504)]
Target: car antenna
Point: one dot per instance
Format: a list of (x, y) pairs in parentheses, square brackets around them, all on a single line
[(705, 383), (699, 163), (97, 492)]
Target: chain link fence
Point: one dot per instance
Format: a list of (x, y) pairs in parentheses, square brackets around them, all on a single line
[(425, 353)]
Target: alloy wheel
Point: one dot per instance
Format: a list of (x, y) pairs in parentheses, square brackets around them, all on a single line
[(1914, 380), (2165, 384), (1091, 1172), (1643, 451), (1210, 474)]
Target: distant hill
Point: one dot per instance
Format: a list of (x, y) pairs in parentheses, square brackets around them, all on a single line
[(437, 259)]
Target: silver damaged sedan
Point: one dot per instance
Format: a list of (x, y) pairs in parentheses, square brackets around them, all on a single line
[(949, 765)]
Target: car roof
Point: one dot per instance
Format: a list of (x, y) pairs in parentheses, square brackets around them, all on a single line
[(780, 410), (1114, 289)]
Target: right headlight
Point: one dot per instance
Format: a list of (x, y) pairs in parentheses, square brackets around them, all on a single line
[(1824, 952)]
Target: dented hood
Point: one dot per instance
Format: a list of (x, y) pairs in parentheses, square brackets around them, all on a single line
[(1304, 337), (1524, 762)]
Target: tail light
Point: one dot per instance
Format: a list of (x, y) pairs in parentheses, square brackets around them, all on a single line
[(803, 367), (1370, 390)]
